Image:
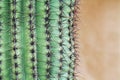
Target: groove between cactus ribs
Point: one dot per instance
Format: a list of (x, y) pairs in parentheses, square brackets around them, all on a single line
[(0, 50), (5, 49), (1, 60)]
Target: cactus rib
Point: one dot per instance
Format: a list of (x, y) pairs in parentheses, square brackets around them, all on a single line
[(28, 51), (5, 49), (36, 40), (41, 38), (66, 21), (15, 25), (55, 39)]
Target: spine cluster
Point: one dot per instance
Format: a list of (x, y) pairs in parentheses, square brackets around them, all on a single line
[(36, 40)]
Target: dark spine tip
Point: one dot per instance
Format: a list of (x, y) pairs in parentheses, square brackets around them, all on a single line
[(16, 65), (15, 56), (48, 54), (33, 59), (32, 51)]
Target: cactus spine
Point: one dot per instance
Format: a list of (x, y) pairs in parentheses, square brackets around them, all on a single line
[(36, 41)]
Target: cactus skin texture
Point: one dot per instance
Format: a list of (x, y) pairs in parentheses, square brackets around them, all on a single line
[(36, 40)]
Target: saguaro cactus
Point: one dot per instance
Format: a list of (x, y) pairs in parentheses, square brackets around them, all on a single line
[(36, 40)]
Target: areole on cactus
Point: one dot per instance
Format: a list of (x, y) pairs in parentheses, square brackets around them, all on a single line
[(36, 40)]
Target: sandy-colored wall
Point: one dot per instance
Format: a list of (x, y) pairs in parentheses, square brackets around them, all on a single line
[(99, 40)]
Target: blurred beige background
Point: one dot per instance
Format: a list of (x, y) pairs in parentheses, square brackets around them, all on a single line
[(99, 40)]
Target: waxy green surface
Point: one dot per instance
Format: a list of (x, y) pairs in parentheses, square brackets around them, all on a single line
[(36, 41)]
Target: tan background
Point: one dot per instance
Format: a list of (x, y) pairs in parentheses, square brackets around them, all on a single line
[(99, 40)]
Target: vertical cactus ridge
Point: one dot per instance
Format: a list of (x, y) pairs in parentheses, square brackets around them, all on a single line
[(48, 37), (32, 36), (66, 20), (15, 25), (27, 36), (65, 39), (42, 38), (55, 39), (71, 41), (36, 40), (5, 49)]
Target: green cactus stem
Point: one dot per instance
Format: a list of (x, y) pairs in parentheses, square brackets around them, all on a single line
[(5, 41), (36, 40), (27, 33), (42, 38)]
